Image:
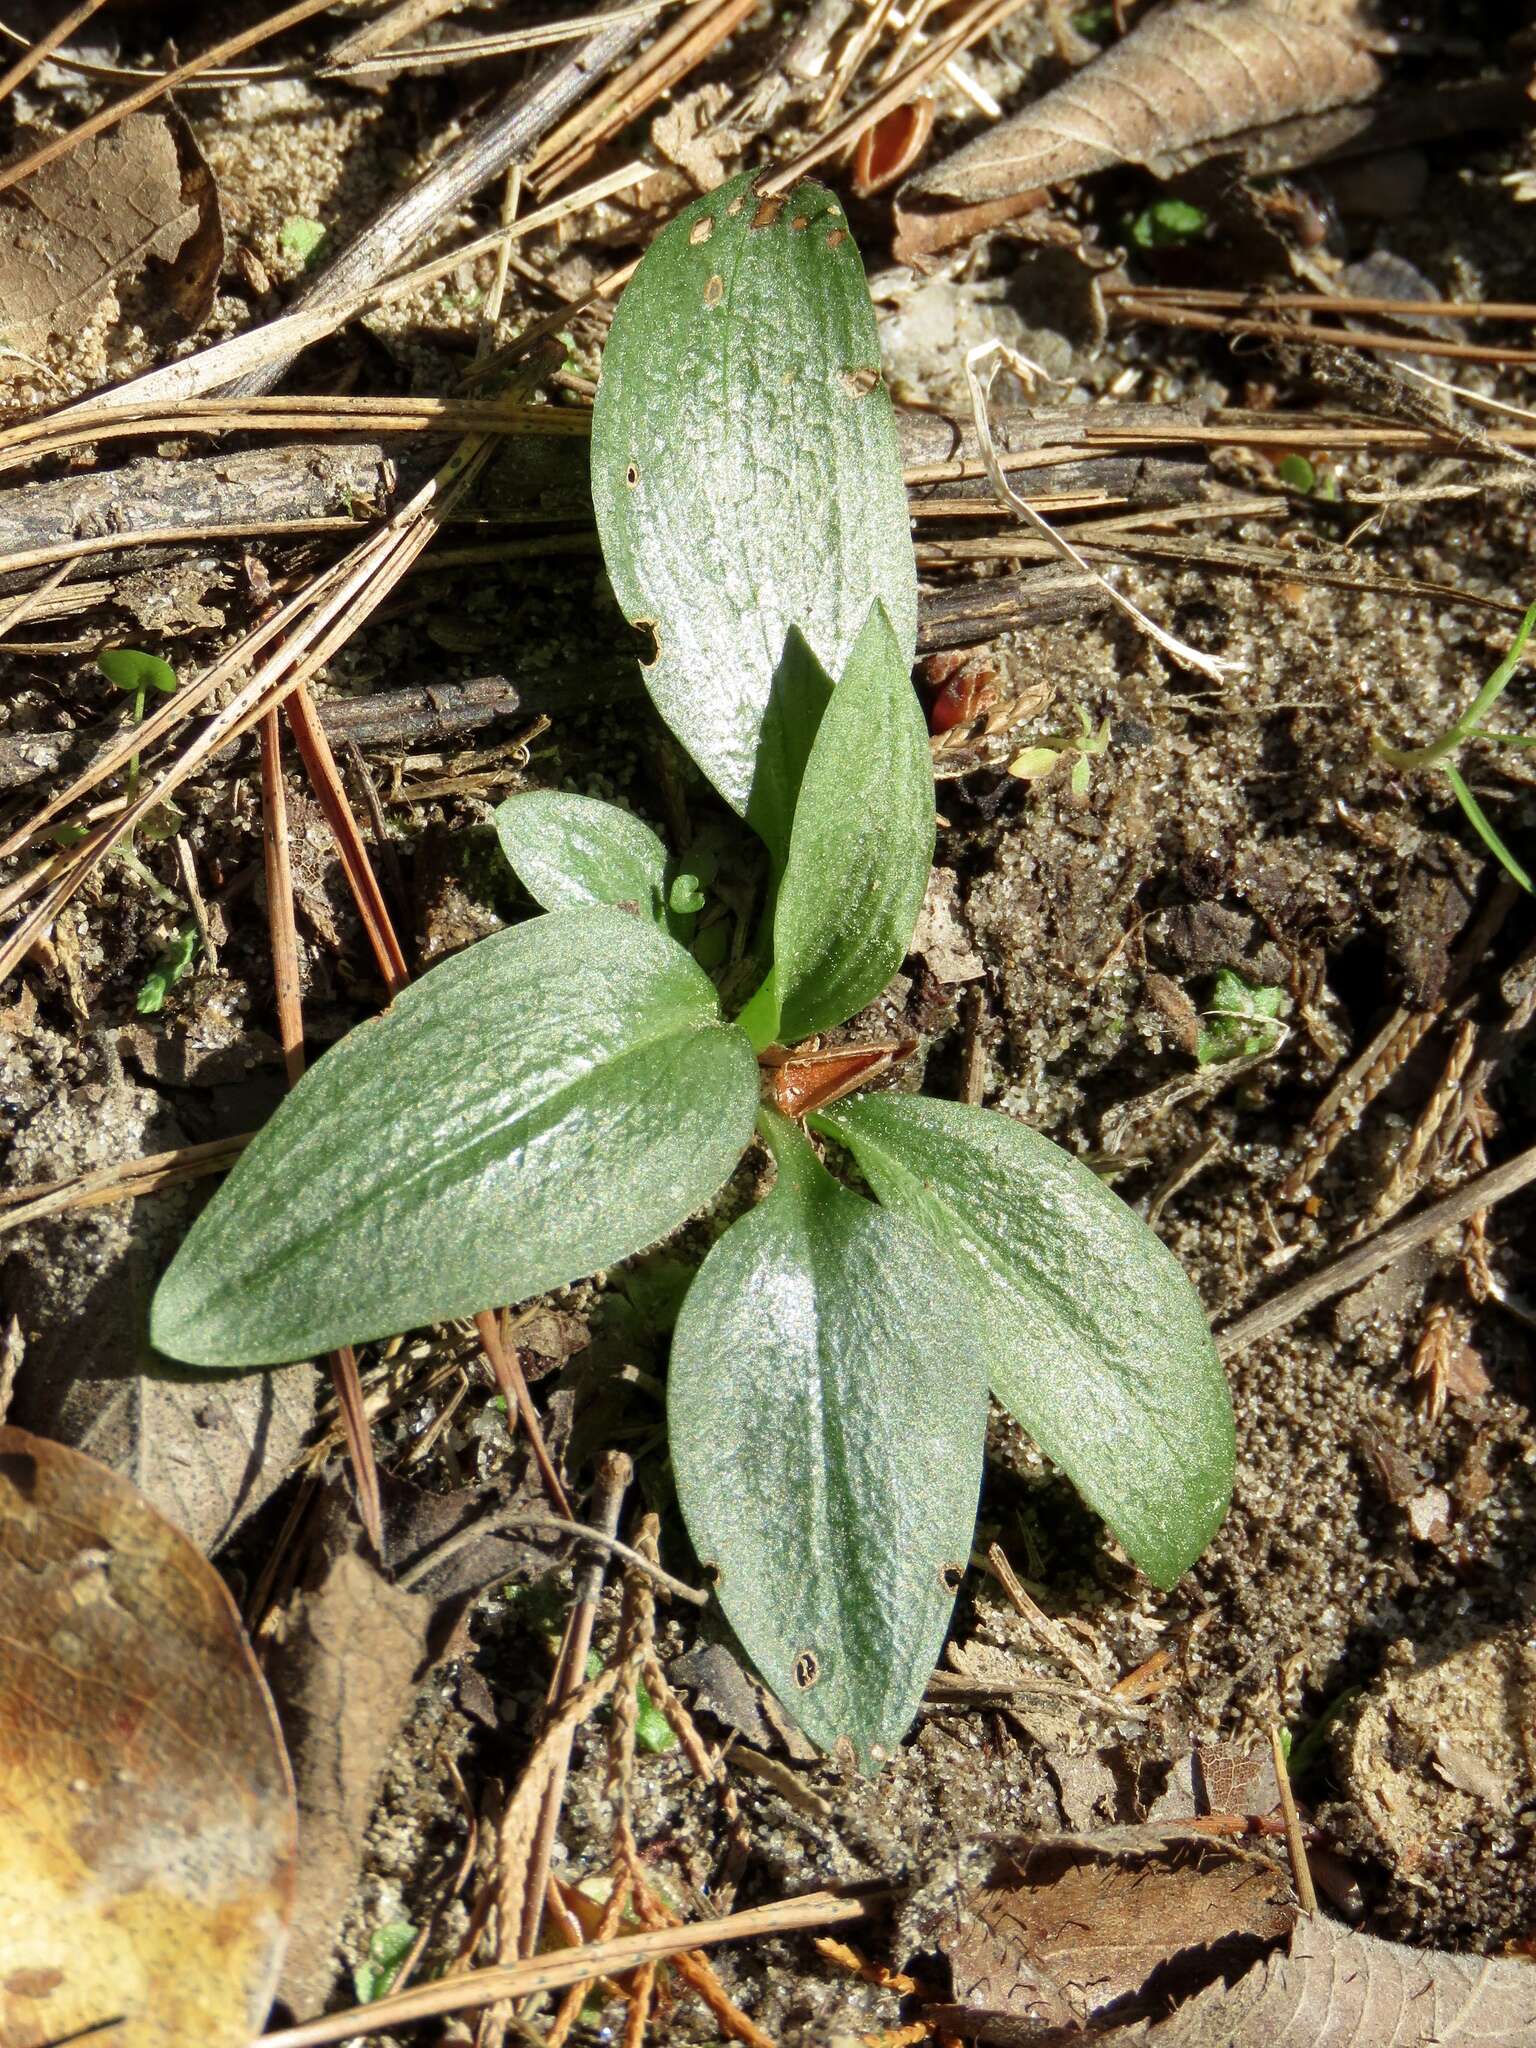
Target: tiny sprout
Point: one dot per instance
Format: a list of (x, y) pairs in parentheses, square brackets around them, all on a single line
[(1242, 1020), (1436, 754), (129, 668), (1037, 761), (1167, 223)]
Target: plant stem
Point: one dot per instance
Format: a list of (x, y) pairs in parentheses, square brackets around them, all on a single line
[(1463, 728)]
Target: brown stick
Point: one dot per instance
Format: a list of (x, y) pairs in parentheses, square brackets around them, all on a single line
[(514, 1390), (1483, 1192), (350, 1405), (325, 779), (475, 1988)]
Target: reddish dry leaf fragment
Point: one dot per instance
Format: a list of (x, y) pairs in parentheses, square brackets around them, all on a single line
[(146, 1812), (1185, 75), (889, 149), (803, 1082)]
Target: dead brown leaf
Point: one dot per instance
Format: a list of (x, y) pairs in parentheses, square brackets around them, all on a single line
[(192, 278), (1352, 1991), (1185, 74), (93, 219), (146, 1811), (1074, 1923), (344, 1677)]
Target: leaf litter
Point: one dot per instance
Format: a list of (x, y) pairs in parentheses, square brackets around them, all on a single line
[(148, 1812)]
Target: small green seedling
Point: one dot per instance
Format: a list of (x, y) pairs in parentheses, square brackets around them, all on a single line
[(564, 1094), (173, 963), (1167, 224), (1241, 1020), (1081, 747), (1456, 735), (129, 668), (301, 238), (388, 1947)]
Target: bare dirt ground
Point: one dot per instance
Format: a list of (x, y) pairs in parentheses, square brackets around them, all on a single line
[(1378, 1562)]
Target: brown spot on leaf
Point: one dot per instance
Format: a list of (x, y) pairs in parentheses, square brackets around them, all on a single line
[(807, 1669), (632, 476), (768, 210), (836, 238), (859, 383), (701, 230), (714, 291), (648, 634), (737, 203), (800, 222), (950, 1576)]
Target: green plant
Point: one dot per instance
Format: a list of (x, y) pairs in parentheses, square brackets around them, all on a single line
[(173, 964), (1436, 754), (565, 1093), (388, 1947), (1241, 1019), (130, 669), (1082, 747), (1167, 224)]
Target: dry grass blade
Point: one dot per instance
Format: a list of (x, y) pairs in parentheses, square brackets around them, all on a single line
[(520, 1408), (613, 1476), (979, 20), (570, 1967), (1164, 315), (470, 49), (109, 116), (61, 31), (347, 595), (285, 976), (996, 353), (690, 39), (279, 340), (121, 1183)]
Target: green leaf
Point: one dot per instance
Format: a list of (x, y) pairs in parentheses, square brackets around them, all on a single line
[(300, 237), (129, 668), (1297, 472), (167, 971), (797, 701), (1242, 1019), (569, 851), (388, 1947), (827, 1417), (860, 847), (1094, 1338), (545, 1103), (745, 469), (1166, 223)]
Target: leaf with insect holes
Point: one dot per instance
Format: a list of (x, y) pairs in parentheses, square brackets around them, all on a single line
[(860, 848), (545, 1103), (1092, 1334), (827, 1415), (568, 851), (745, 470)]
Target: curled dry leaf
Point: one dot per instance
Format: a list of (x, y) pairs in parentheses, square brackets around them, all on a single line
[(94, 218), (147, 1815), (1071, 1924), (1186, 74), (1351, 1991)]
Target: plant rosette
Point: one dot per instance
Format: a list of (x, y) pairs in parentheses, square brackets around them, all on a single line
[(564, 1094)]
